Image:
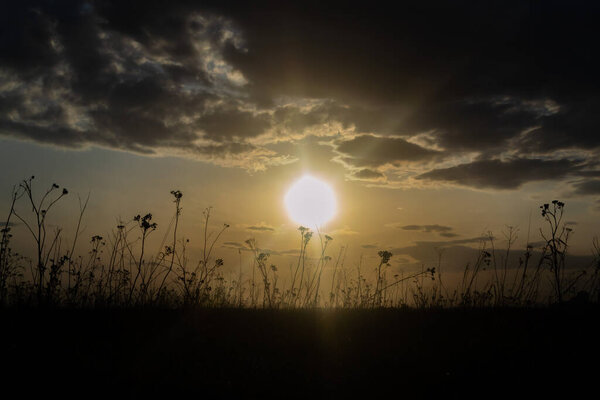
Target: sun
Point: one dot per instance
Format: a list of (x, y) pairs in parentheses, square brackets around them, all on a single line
[(310, 202)]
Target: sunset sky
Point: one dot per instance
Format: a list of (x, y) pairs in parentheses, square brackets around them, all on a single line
[(434, 122)]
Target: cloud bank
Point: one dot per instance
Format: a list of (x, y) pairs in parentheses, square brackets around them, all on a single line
[(489, 96)]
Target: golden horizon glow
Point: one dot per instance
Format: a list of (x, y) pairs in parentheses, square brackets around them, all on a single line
[(310, 202)]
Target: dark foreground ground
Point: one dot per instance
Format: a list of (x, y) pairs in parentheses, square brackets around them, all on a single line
[(289, 354)]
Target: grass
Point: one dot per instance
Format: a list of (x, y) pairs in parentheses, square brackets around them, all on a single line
[(120, 271)]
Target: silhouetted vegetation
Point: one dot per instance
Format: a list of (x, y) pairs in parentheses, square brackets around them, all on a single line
[(119, 321), (118, 271)]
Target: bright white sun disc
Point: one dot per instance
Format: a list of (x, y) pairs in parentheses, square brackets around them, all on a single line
[(310, 202)]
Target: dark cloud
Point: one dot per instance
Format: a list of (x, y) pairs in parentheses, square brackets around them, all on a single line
[(224, 149), (26, 39), (497, 174), (472, 240), (260, 228), (486, 78), (373, 151), (225, 124), (449, 234), (379, 118), (455, 255), (444, 231), (296, 120), (353, 51), (575, 126), (235, 246), (510, 66), (368, 175), (313, 152), (427, 228), (587, 187), (121, 76), (473, 124), (596, 206)]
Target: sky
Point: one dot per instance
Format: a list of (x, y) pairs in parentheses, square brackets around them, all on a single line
[(435, 123)]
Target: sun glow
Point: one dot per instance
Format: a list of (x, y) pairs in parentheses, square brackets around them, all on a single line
[(310, 202)]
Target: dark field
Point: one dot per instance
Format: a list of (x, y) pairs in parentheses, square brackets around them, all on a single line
[(299, 353)]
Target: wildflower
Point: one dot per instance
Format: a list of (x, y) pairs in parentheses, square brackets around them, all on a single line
[(385, 256), (177, 194), (307, 237)]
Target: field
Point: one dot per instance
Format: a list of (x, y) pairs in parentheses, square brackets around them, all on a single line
[(118, 321), (300, 353)]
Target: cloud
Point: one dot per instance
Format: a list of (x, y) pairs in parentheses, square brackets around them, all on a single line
[(234, 245), (472, 240), (369, 246), (366, 174), (456, 254), (260, 227), (427, 228), (230, 83), (374, 151), (587, 187), (98, 76), (486, 90), (444, 231), (497, 174), (449, 234), (225, 124), (344, 231), (596, 206)]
